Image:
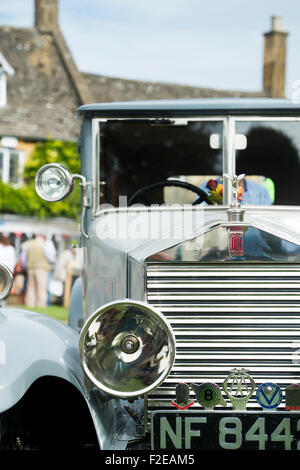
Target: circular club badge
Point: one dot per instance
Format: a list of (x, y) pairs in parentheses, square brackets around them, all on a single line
[(209, 395), (269, 395)]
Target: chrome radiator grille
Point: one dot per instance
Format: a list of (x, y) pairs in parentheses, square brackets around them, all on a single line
[(225, 317)]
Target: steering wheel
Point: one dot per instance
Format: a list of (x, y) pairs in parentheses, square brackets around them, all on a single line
[(180, 184)]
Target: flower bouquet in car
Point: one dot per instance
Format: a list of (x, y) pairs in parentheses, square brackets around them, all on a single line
[(215, 192)]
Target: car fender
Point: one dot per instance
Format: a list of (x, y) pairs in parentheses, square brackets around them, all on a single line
[(32, 346)]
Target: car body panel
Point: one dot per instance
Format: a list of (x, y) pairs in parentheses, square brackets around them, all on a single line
[(193, 107), (121, 255), (35, 346)]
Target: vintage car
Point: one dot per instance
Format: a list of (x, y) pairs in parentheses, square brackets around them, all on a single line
[(184, 330)]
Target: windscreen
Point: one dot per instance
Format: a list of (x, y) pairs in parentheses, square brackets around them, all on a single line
[(271, 156), (137, 153)]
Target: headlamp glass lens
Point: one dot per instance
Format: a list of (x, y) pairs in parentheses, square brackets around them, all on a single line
[(127, 349), (53, 183)]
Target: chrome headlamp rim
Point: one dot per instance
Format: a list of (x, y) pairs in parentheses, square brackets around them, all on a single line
[(66, 174), (101, 311), (4, 270)]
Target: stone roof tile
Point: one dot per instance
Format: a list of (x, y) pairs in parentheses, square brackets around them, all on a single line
[(42, 97), (107, 89)]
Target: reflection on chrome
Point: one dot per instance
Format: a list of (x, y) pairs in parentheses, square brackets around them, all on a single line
[(213, 246), (127, 348), (6, 281)]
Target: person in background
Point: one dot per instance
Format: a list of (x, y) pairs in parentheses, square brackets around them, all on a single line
[(60, 270), (19, 283), (37, 257), (67, 269), (250, 191), (254, 193), (8, 254)]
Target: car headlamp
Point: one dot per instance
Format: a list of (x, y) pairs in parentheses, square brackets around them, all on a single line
[(6, 281), (53, 182), (127, 348)]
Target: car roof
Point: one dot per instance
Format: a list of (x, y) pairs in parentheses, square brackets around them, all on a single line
[(194, 107)]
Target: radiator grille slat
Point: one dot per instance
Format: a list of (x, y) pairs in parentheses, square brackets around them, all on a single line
[(225, 317)]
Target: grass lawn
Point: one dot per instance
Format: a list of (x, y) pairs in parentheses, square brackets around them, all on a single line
[(55, 311)]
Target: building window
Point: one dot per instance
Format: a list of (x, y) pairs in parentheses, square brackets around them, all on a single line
[(5, 69), (11, 166), (3, 93)]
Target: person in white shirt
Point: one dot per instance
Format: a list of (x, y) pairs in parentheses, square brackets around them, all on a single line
[(8, 254)]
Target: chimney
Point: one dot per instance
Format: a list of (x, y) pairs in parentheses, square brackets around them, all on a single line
[(46, 15), (274, 60)]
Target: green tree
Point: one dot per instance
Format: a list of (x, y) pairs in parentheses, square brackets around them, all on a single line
[(25, 201)]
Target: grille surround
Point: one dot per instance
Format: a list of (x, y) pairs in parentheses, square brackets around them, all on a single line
[(238, 315)]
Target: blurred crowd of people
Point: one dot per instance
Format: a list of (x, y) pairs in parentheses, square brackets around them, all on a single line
[(41, 274)]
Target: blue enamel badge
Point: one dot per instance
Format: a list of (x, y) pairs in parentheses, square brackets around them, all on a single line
[(269, 395)]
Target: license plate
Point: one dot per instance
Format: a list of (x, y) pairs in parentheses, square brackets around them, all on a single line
[(219, 430)]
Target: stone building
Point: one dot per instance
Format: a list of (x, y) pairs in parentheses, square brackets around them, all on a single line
[(41, 87)]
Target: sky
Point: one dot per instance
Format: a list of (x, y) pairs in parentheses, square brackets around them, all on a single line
[(212, 44)]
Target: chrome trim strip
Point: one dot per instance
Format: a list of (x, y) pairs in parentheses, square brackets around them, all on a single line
[(265, 118), (95, 165), (230, 308), (221, 285), (192, 296), (228, 158), (228, 320)]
